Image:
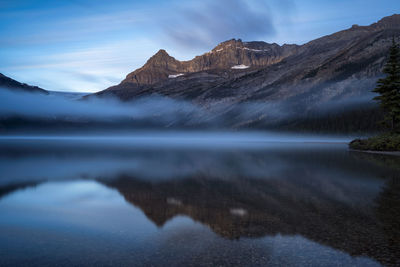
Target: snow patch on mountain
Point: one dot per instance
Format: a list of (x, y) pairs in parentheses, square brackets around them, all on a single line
[(240, 67), (253, 50), (238, 212), (172, 76)]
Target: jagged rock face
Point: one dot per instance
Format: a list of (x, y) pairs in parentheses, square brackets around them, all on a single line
[(157, 68), (226, 55), (9, 83), (235, 53), (338, 66), (388, 22)]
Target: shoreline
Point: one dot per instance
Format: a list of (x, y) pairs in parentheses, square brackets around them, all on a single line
[(392, 153)]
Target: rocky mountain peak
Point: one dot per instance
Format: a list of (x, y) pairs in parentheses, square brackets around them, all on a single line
[(233, 43), (230, 55), (159, 67), (161, 54), (160, 58)]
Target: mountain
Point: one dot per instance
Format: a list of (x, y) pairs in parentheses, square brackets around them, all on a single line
[(231, 53), (338, 66), (6, 82), (324, 84), (223, 63)]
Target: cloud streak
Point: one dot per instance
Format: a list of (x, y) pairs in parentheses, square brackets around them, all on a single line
[(208, 22)]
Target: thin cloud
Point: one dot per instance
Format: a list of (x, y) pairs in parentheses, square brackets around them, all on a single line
[(206, 23), (85, 69)]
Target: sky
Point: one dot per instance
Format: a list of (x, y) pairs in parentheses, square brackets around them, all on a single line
[(89, 45)]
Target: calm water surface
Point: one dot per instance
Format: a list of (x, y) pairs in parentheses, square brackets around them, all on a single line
[(214, 202)]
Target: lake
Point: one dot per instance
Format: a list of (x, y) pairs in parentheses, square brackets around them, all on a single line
[(197, 199)]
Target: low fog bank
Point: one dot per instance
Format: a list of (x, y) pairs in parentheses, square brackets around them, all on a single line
[(26, 112), (30, 112), (61, 106), (200, 139), (162, 156)]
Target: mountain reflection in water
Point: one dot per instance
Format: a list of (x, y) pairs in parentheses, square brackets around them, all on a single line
[(291, 205)]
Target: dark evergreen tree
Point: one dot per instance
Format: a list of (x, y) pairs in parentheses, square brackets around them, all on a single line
[(388, 88)]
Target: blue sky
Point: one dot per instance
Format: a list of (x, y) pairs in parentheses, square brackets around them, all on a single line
[(88, 45)]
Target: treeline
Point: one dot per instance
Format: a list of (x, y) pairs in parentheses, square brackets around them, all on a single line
[(361, 120)]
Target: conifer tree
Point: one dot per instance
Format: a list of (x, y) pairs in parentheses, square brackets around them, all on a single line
[(388, 88)]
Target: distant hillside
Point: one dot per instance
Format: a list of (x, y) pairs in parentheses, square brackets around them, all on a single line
[(6, 82)]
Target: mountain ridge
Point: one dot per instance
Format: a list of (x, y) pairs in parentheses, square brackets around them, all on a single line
[(162, 66), (9, 83), (267, 71)]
